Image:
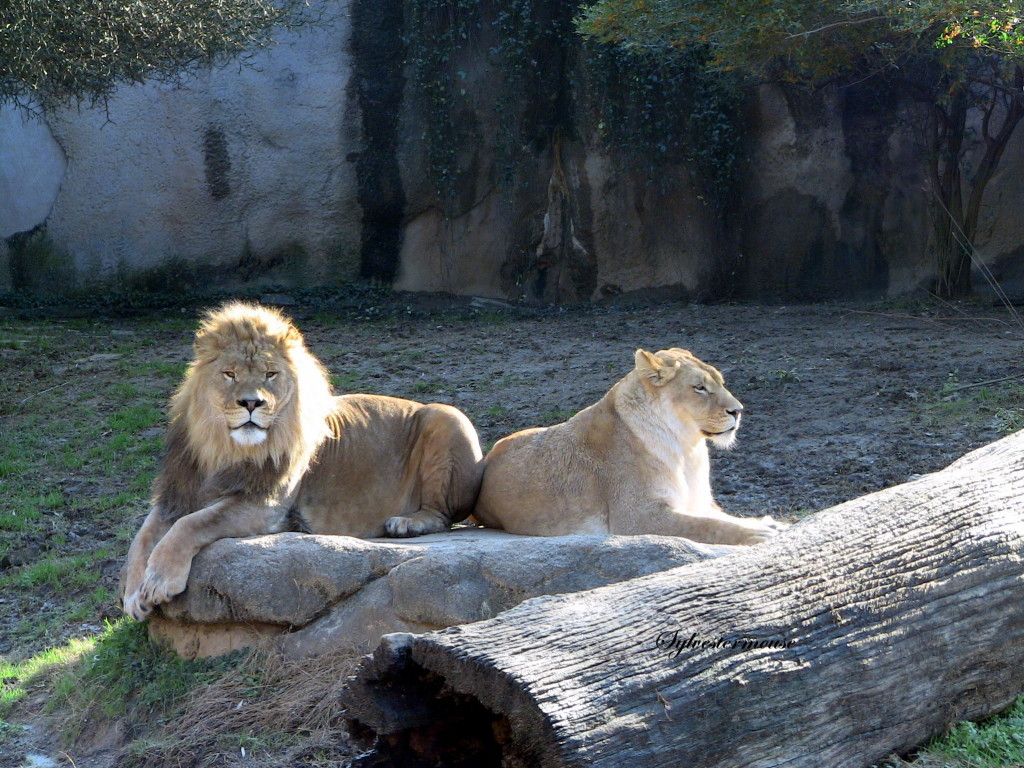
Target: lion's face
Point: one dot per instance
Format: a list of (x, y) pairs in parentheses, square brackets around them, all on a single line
[(253, 390), (695, 391)]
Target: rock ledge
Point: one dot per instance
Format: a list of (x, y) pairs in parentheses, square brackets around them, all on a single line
[(308, 594)]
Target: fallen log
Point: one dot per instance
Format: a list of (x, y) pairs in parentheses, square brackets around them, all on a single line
[(861, 632)]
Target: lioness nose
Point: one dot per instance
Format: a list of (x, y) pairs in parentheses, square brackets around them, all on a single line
[(735, 411), (252, 405)]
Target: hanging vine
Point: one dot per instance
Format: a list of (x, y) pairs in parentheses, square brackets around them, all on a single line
[(659, 105), (436, 31), (655, 106)]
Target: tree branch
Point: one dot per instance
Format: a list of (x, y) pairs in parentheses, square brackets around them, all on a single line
[(834, 25)]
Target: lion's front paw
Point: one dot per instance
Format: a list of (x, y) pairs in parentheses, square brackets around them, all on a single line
[(133, 606), (419, 524), (156, 588)]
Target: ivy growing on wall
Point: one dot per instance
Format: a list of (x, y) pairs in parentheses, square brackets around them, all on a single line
[(524, 42), (655, 106), (436, 31)]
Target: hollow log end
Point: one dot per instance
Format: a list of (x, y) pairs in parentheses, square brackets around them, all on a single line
[(407, 715)]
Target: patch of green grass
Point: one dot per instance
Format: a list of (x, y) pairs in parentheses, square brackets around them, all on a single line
[(996, 406), (429, 386), (12, 467), (16, 679), (784, 375), (18, 521), (124, 671), (134, 418), (125, 391), (23, 507), (412, 356), (72, 458), (12, 341), (1006, 420), (173, 372), (994, 743), (8, 731), (348, 381), (112, 674), (490, 385), (61, 573), (120, 500), (44, 343)]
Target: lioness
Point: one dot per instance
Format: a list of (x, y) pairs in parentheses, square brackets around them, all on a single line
[(634, 462), (257, 444)]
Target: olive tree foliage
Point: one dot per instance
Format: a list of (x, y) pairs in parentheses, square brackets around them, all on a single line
[(69, 51), (961, 59)]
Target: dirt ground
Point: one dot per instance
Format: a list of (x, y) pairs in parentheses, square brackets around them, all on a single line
[(839, 400)]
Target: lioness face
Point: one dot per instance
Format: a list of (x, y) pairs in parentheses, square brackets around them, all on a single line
[(254, 389), (697, 394)]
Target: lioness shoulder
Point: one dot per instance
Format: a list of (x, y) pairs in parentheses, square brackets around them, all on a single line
[(635, 462), (257, 443)]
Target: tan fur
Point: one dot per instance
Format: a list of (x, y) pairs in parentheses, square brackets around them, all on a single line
[(257, 443), (635, 462)]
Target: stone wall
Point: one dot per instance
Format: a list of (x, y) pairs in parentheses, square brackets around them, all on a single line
[(329, 157)]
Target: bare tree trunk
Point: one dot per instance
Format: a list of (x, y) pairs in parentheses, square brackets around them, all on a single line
[(952, 254), (997, 95), (861, 632)]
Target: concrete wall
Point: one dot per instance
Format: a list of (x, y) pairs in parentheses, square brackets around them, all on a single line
[(240, 174)]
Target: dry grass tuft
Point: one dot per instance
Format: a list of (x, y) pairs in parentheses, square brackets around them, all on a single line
[(289, 707)]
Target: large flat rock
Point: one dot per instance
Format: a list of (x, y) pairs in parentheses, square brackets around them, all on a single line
[(308, 594)]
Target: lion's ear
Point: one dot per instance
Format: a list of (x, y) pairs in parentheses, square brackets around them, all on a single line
[(659, 372), (207, 345)]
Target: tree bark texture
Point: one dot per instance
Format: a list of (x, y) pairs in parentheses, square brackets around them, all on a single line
[(863, 631)]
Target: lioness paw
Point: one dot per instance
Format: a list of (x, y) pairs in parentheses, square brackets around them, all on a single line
[(776, 525), (765, 529)]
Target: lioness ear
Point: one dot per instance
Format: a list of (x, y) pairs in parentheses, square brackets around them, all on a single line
[(292, 336), (656, 370)]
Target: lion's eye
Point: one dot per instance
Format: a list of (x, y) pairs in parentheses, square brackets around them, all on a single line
[(229, 375), (271, 375), (700, 389)]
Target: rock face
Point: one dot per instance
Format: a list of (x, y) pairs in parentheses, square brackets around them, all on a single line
[(486, 151), (308, 594), (32, 167)]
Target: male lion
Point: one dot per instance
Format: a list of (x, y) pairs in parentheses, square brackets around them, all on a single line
[(634, 462), (257, 444)]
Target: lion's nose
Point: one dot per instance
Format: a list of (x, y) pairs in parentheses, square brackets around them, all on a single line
[(252, 405), (735, 412)]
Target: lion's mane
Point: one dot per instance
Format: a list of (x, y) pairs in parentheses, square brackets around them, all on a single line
[(300, 426)]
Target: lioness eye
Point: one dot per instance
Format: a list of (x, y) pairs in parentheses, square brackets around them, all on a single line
[(700, 389), (271, 375), (229, 374)]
